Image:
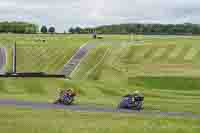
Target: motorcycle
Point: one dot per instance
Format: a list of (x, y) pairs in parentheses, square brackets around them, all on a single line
[(131, 102), (65, 98)]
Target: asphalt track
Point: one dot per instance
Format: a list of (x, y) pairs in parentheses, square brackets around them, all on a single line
[(71, 65), (2, 58), (93, 108)]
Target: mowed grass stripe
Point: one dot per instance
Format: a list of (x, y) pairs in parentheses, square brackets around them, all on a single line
[(196, 57), (191, 53), (148, 57), (59, 65), (88, 62), (150, 52), (141, 54), (30, 55), (125, 56), (115, 57), (22, 54), (39, 58), (48, 63), (183, 53), (55, 60), (159, 52), (164, 57), (176, 51)]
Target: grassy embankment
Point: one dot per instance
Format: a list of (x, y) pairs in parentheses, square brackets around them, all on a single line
[(115, 75), (105, 83), (20, 120)]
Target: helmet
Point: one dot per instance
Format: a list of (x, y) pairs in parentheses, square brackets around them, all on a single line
[(136, 92)]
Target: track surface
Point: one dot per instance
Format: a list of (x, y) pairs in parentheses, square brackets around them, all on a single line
[(93, 108), (2, 58), (76, 58)]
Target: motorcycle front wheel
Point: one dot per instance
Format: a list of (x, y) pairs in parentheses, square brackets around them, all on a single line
[(68, 101), (138, 105)]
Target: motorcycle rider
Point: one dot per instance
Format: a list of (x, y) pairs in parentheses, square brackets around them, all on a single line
[(136, 93), (70, 92), (137, 96), (65, 92)]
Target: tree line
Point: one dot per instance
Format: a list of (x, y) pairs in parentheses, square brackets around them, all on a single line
[(135, 28), (45, 30), (18, 27), (24, 28), (186, 28)]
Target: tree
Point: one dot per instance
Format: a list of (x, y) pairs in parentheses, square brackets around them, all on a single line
[(71, 30), (51, 30), (186, 28), (43, 29), (18, 27), (77, 30), (29, 30)]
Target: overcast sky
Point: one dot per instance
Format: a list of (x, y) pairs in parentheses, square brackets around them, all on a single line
[(66, 13)]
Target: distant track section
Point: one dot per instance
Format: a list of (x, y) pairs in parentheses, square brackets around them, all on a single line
[(93, 108), (2, 59), (76, 59)]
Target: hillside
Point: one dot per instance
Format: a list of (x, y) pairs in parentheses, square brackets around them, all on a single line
[(143, 28), (102, 77), (149, 57), (46, 53)]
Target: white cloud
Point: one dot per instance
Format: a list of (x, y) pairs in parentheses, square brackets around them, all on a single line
[(66, 13)]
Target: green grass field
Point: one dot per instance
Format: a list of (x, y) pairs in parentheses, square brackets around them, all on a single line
[(23, 120), (164, 68), (34, 55), (154, 57)]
